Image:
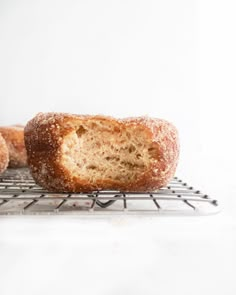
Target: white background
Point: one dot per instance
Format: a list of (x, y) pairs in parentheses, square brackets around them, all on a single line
[(169, 59)]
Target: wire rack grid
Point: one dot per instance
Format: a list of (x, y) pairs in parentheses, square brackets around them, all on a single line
[(19, 194)]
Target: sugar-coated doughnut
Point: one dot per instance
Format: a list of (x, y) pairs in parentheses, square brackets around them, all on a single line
[(4, 155), (14, 137), (77, 153)]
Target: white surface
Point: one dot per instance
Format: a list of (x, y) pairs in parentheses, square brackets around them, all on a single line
[(170, 59), (44, 255)]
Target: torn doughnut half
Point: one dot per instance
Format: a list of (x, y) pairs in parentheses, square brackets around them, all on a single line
[(76, 153)]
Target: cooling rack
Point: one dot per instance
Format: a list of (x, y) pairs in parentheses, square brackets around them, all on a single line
[(19, 194)]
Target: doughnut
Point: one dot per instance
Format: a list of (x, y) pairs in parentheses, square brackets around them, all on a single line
[(4, 155), (14, 137), (84, 153)]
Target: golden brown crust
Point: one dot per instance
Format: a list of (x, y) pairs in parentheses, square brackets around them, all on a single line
[(14, 137), (45, 133), (4, 155)]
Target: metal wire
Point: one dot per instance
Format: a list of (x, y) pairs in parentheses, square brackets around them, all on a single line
[(19, 194)]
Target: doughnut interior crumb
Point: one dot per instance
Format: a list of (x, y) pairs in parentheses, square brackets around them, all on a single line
[(98, 150)]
